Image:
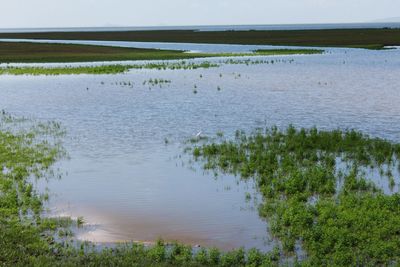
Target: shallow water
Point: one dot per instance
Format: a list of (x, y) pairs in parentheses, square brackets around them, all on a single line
[(130, 185)]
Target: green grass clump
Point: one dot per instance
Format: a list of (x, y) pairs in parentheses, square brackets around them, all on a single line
[(337, 214), (154, 82), (110, 69), (276, 52), (24, 154), (106, 69), (273, 52)]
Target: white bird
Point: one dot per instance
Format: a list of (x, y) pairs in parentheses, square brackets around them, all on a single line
[(198, 134)]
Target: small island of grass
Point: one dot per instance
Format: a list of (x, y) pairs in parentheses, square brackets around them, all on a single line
[(25, 52), (317, 190)]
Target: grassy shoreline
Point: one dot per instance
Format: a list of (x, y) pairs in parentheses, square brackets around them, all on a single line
[(352, 38), (25, 52)]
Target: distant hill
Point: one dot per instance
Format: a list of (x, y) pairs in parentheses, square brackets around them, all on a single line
[(394, 19)]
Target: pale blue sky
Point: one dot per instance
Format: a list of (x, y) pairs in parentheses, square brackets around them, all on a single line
[(88, 13)]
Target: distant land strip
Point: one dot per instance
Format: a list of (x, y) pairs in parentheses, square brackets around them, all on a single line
[(25, 52), (352, 38)]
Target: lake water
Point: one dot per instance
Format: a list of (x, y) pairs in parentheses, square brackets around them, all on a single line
[(130, 185)]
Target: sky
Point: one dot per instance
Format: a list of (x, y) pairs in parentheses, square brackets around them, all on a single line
[(100, 13)]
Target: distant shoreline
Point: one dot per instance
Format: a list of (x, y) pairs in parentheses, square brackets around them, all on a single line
[(309, 26), (351, 38)]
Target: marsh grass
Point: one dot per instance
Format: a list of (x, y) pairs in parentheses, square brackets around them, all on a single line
[(271, 52), (157, 82), (26, 52), (106, 69), (253, 61), (26, 150), (120, 68), (339, 216), (80, 221), (164, 65), (277, 52)]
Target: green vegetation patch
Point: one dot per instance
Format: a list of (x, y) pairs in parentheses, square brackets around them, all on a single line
[(25, 52), (25, 155), (318, 191), (164, 65), (268, 52), (271, 52), (106, 69)]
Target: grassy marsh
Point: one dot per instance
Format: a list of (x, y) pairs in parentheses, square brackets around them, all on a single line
[(165, 65), (296, 171), (25, 52), (268, 52), (106, 69), (353, 38), (25, 154), (337, 215)]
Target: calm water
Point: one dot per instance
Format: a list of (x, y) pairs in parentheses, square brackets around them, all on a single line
[(130, 185)]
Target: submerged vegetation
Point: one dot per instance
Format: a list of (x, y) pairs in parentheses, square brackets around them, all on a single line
[(25, 155), (271, 52), (318, 192), (156, 82)]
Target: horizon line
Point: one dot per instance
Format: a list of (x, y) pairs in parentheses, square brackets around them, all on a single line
[(201, 25)]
